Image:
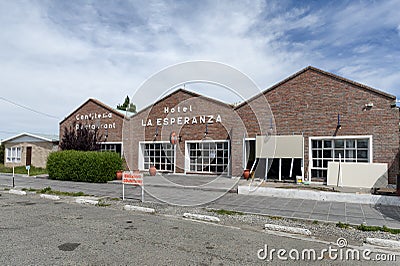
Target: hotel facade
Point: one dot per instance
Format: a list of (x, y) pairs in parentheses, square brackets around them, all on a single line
[(313, 125)]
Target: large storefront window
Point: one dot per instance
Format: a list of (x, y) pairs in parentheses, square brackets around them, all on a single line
[(13, 154), (345, 149), (209, 157), (159, 154)]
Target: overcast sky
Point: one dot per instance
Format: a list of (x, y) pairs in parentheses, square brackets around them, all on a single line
[(56, 54)]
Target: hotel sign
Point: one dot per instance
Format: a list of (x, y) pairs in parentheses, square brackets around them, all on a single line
[(184, 118)]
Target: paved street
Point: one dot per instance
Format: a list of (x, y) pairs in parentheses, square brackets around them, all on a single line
[(36, 231), (159, 191)]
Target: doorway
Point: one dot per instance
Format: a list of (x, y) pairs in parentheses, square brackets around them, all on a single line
[(284, 169), (249, 155), (28, 156)]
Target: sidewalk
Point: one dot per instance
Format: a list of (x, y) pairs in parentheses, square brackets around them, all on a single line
[(183, 194)]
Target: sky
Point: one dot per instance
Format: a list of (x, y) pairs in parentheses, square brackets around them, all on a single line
[(54, 55)]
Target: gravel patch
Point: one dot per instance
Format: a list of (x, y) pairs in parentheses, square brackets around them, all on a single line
[(321, 230)]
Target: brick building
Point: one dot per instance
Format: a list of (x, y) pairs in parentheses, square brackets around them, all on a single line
[(314, 118), (337, 117), (204, 129), (314, 125), (95, 114)]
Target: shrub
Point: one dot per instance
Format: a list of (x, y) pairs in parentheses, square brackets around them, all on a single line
[(83, 166), (2, 148), (82, 139)]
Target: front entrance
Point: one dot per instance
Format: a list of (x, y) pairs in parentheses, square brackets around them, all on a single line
[(28, 156), (284, 169), (279, 158), (249, 155)]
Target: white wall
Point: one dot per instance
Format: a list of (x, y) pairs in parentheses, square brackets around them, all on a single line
[(363, 175), (279, 146)]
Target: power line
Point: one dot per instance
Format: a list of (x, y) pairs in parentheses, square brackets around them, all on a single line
[(28, 108)]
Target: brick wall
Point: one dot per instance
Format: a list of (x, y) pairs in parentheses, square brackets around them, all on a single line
[(96, 114), (229, 127), (309, 104)]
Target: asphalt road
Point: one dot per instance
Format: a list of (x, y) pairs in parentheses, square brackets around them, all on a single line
[(35, 231)]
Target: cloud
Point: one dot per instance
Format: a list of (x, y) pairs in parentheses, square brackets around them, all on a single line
[(56, 54)]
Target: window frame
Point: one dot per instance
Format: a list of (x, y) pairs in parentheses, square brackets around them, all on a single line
[(13, 154), (143, 156), (226, 160), (320, 160)]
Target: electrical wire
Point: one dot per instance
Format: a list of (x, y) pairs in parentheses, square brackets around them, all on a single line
[(28, 108)]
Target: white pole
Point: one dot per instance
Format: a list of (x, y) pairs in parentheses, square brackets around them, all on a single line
[(341, 173), (123, 191), (291, 170)]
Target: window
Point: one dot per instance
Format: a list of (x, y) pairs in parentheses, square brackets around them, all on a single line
[(209, 156), (161, 155), (346, 149), (113, 147), (13, 154)]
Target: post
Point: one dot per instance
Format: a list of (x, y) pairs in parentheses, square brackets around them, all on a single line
[(123, 191), (13, 176)]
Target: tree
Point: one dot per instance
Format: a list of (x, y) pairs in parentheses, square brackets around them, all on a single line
[(127, 106), (80, 138)]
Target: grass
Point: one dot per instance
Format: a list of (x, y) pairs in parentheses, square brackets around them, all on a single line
[(226, 212), (102, 204), (369, 228), (363, 227), (48, 190), (22, 170), (275, 218), (115, 199), (342, 225), (29, 189), (315, 222)]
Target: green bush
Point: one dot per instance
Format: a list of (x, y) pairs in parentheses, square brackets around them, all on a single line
[(83, 166), (2, 148)]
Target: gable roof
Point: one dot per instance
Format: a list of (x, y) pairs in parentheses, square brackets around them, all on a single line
[(322, 72), (120, 114), (193, 94), (43, 137)]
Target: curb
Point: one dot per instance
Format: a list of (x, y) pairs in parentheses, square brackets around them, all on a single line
[(287, 229), (201, 217), (138, 208), (383, 242), (52, 197), (86, 201), (17, 192), (320, 195)]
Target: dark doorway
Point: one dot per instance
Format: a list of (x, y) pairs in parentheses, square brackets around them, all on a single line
[(28, 156), (273, 171), (250, 155), (284, 169)]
